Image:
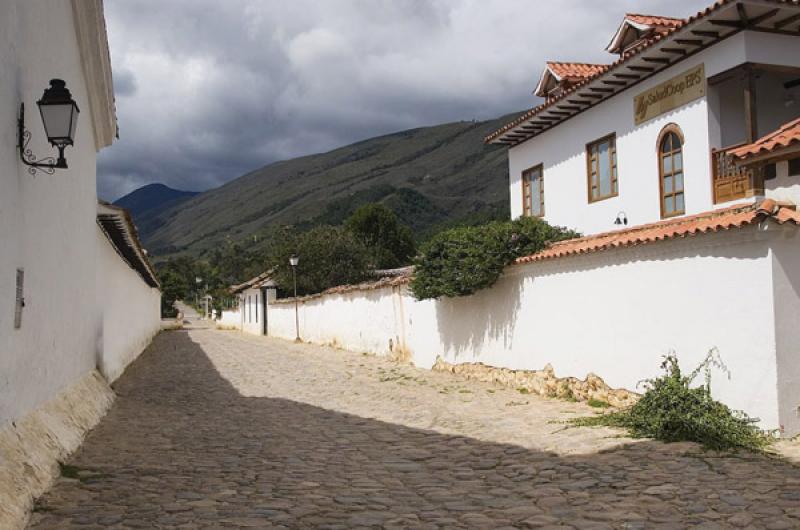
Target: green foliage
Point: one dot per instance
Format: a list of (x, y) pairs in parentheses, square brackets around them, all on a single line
[(378, 228), (598, 403), (672, 410), (461, 261), (329, 256)]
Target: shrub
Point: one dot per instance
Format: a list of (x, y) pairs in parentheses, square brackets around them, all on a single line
[(461, 261), (672, 411)]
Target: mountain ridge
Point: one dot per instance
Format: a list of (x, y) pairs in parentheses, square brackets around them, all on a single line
[(430, 176)]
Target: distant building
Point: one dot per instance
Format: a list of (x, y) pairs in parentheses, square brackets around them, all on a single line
[(253, 298), (654, 134)]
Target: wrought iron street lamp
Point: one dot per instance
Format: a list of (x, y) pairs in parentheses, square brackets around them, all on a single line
[(293, 261), (59, 114)]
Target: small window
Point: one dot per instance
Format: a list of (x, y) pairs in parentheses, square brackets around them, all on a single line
[(533, 192), (256, 308), (794, 167), (670, 171), (601, 163), (20, 299), (249, 309)]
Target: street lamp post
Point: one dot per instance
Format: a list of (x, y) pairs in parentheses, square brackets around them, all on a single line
[(293, 261)]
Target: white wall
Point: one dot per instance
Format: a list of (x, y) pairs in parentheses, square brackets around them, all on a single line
[(252, 312), (47, 223), (130, 311), (613, 313), (230, 319), (562, 149)]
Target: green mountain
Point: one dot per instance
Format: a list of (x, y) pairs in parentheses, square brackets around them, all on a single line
[(431, 177)]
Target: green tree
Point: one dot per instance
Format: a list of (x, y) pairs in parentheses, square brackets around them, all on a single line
[(391, 243), (461, 261), (329, 256)]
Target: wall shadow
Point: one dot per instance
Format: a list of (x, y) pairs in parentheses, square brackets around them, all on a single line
[(465, 323), (182, 447)]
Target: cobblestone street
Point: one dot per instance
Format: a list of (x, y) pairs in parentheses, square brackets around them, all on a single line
[(217, 429)]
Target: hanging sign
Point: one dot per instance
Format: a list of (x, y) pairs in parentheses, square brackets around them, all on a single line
[(669, 95)]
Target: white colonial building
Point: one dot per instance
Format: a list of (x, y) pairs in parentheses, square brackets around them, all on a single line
[(649, 136), (79, 299)]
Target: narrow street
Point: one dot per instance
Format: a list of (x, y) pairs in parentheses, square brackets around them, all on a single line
[(218, 429)]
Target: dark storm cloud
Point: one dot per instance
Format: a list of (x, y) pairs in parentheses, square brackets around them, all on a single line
[(208, 90)]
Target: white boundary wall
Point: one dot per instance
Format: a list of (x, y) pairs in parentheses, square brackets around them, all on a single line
[(130, 311), (613, 313)]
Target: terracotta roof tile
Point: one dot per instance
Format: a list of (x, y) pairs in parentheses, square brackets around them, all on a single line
[(575, 70), (657, 21), (736, 216), (630, 54), (784, 137), (389, 281)]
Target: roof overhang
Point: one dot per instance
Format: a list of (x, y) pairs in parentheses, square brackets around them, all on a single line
[(546, 81), (722, 20), (261, 281), (90, 29), (620, 37), (118, 227)]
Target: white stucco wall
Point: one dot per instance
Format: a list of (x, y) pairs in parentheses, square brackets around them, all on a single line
[(230, 319), (129, 311), (252, 312), (562, 149), (47, 223), (613, 313)]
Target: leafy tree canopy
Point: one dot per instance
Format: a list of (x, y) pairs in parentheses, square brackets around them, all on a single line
[(461, 261), (390, 243), (329, 256)]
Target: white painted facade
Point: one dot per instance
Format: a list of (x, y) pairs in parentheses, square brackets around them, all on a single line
[(129, 311), (613, 313), (48, 223), (715, 120)]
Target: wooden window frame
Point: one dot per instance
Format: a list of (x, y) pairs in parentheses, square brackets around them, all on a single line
[(613, 157), (671, 128), (526, 188)]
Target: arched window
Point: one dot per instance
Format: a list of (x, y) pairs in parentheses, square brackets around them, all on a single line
[(670, 171)]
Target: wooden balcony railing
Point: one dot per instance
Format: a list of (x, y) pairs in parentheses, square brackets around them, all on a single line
[(732, 181)]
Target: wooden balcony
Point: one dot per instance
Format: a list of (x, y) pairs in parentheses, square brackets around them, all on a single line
[(732, 181)]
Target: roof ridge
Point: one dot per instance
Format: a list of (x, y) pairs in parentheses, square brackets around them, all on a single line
[(653, 16)]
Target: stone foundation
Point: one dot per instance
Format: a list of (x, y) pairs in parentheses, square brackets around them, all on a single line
[(32, 447), (542, 382)]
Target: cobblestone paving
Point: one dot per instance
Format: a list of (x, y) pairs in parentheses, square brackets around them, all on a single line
[(215, 429)]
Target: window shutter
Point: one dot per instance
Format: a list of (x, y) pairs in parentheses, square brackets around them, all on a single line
[(20, 299)]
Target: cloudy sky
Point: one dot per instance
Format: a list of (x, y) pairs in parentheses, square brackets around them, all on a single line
[(208, 90)]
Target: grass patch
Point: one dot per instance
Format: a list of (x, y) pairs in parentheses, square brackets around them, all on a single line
[(598, 403), (523, 390), (672, 410)]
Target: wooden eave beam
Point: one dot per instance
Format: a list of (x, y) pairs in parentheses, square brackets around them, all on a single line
[(690, 42), (786, 21), (703, 33), (677, 51), (627, 76), (570, 107), (658, 60), (614, 83), (601, 89), (762, 17), (738, 24), (635, 68)]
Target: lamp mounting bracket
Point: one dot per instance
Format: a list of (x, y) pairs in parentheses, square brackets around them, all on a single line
[(46, 165)]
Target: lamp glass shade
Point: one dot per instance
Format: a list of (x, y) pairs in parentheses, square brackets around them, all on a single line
[(293, 261), (59, 113)]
